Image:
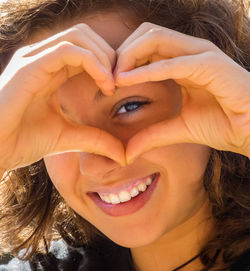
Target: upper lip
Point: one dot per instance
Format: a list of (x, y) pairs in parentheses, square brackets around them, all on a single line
[(120, 186)]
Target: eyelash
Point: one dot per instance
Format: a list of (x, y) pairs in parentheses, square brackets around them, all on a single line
[(138, 103)]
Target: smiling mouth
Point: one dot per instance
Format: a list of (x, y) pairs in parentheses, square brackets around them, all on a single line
[(124, 204), (127, 194)]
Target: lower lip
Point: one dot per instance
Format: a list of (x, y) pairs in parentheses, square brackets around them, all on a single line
[(129, 207)]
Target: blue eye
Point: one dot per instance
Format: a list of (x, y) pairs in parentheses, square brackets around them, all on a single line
[(130, 107)]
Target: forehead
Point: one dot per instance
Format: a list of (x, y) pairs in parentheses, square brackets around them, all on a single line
[(114, 27)]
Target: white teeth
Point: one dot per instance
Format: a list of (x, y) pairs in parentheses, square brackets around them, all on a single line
[(124, 196), (134, 192), (107, 199), (142, 187), (148, 181), (114, 199), (102, 197)]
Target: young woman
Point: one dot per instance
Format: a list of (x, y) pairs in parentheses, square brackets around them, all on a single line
[(125, 135)]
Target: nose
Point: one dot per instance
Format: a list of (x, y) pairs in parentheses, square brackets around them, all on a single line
[(96, 167)]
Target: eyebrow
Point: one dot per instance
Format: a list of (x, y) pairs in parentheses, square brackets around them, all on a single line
[(98, 96)]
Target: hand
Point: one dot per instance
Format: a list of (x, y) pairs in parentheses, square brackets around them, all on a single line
[(32, 124), (215, 90)]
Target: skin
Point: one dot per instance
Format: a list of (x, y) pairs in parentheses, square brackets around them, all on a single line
[(179, 202)]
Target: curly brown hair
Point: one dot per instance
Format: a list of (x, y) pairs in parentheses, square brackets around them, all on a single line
[(30, 206)]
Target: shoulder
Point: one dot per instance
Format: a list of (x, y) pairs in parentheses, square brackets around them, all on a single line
[(15, 265), (102, 256), (59, 251)]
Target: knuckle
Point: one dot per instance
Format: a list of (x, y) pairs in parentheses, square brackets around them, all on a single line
[(64, 45), (209, 45), (147, 25), (77, 30), (74, 32), (22, 51), (210, 57), (155, 33), (82, 27)]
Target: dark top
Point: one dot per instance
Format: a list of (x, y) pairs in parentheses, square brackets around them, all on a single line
[(62, 257)]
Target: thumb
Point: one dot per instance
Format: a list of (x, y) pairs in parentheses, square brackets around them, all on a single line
[(76, 138), (168, 132)]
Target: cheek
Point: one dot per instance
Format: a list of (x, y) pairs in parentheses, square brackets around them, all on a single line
[(63, 170), (182, 191), (182, 164)]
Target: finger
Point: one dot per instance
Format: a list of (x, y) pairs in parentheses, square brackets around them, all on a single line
[(81, 35), (108, 50), (162, 41), (208, 70), (164, 133), (64, 54), (35, 77), (79, 138), (176, 68), (142, 29)]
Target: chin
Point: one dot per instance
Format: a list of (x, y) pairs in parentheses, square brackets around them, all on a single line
[(134, 237), (133, 242)]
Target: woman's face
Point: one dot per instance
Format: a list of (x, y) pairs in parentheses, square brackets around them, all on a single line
[(176, 193)]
